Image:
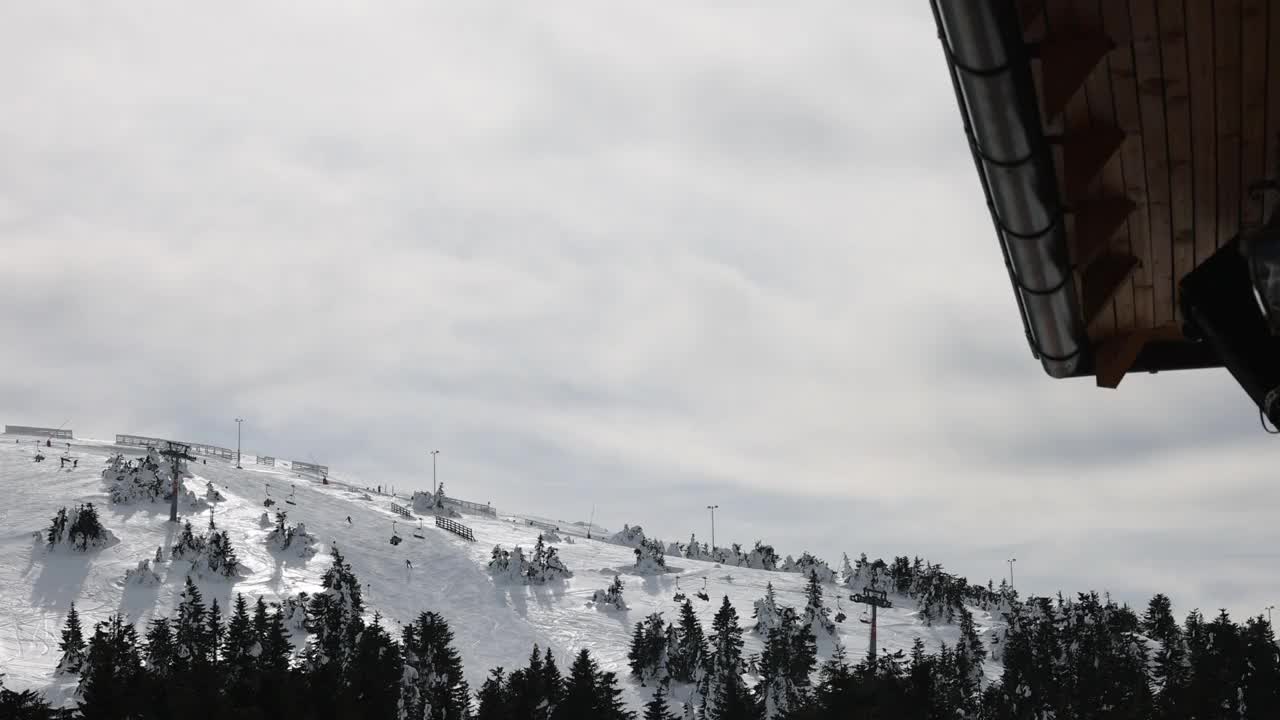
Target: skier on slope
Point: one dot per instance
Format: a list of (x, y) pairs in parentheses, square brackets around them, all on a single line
[(408, 565), (348, 519)]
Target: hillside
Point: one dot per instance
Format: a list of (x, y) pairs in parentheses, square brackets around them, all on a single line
[(494, 624)]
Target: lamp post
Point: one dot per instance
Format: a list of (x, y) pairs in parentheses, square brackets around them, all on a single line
[(1269, 609), (239, 422), (435, 488), (712, 508), (1011, 561)]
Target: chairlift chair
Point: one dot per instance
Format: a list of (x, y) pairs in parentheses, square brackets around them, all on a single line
[(418, 533), (395, 539), (268, 502), (679, 596), (702, 594), (840, 616), (289, 500)]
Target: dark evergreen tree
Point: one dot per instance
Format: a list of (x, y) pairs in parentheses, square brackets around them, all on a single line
[(162, 648), (492, 702), (657, 708), (589, 693), (57, 528), (648, 654), (552, 681), (372, 689), (72, 645), (26, 705), (112, 671), (1261, 663), (214, 632), (725, 694), (686, 658), (191, 634)]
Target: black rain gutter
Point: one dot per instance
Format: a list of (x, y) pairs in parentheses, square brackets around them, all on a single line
[(990, 70)]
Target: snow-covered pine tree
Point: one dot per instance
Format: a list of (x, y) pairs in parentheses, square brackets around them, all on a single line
[(611, 597), (188, 546), (766, 612), (648, 654), (334, 617), (816, 615), (785, 665), (650, 558), (57, 528), (438, 688), (72, 645), (220, 555)]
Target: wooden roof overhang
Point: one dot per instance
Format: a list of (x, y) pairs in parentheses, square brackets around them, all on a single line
[(1145, 126)]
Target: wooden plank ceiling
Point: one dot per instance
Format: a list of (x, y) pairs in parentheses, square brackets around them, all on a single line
[(1162, 113)]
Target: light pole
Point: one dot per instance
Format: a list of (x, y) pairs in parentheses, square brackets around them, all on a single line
[(712, 508), (239, 422), (435, 488), (1269, 609), (1011, 561)]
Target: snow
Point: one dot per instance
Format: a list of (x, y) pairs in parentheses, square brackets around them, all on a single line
[(494, 623)]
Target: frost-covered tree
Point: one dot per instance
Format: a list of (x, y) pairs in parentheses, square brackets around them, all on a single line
[(785, 665), (650, 558), (72, 646), (610, 597), (188, 546), (142, 575), (334, 618), (434, 681), (220, 555), (293, 539), (81, 529), (630, 535), (766, 613), (808, 564), (816, 615)]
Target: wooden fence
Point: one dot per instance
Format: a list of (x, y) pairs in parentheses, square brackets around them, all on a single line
[(456, 528), (401, 510)]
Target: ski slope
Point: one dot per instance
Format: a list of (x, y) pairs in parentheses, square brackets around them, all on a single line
[(493, 624)]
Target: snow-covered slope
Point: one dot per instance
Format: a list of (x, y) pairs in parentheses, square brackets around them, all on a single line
[(494, 624)]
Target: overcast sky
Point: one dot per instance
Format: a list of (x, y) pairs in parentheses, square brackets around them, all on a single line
[(620, 255)]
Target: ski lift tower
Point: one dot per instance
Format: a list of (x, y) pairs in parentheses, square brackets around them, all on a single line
[(175, 452), (876, 599)]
